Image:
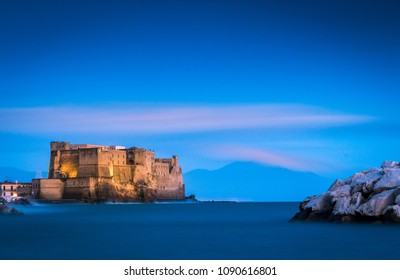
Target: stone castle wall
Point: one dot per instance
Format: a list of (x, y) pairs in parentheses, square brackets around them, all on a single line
[(95, 172), (51, 189)]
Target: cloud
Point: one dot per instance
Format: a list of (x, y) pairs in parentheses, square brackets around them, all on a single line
[(272, 158), (149, 119)]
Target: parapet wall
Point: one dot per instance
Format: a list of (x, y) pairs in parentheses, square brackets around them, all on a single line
[(51, 189)]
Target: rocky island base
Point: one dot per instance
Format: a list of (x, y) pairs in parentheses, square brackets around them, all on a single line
[(5, 209), (367, 196)]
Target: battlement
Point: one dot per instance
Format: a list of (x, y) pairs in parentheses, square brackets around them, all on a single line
[(63, 146), (55, 146)]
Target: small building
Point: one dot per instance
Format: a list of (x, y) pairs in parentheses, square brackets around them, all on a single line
[(14, 189)]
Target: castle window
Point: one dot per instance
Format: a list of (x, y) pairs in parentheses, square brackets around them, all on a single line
[(11, 194), (12, 187)]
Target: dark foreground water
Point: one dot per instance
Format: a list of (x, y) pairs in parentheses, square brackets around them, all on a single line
[(218, 230)]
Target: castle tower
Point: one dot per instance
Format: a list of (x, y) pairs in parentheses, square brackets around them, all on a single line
[(175, 160), (57, 146)]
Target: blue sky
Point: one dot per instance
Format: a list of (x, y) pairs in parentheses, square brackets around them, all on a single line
[(306, 85)]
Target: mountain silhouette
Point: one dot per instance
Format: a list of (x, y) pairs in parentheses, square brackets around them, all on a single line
[(247, 181)]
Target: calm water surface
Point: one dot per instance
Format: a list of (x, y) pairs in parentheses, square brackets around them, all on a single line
[(219, 230)]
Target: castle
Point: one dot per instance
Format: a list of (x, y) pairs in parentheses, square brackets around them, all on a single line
[(101, 173)]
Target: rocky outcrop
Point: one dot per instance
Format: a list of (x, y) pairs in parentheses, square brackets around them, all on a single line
[(16, 200), (6, 210), (123, 192), (372, 195)]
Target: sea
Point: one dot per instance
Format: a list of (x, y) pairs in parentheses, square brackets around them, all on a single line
[(187, 231)]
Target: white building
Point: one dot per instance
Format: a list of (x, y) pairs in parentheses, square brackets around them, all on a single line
[(13, 189)]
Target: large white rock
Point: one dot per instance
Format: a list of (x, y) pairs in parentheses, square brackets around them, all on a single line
[(392, 213), (389, 180), (348, 205), (337, 184), (365, 182), (343, 191), (390, 164), (393, 208), (355, 176), (320, 203), (357, 199), (371, 170), (377, 203), (342, 206), (305, 201)]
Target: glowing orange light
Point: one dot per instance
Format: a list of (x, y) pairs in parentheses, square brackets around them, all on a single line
[(70, 170)]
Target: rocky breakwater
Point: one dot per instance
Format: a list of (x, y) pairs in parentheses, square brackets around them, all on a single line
[(6, 210), (372, 195)]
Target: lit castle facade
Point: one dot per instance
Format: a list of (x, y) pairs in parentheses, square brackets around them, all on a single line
[(97, 173)]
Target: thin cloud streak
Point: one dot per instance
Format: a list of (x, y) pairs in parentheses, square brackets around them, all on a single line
[(271, 158), (166, 120)]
